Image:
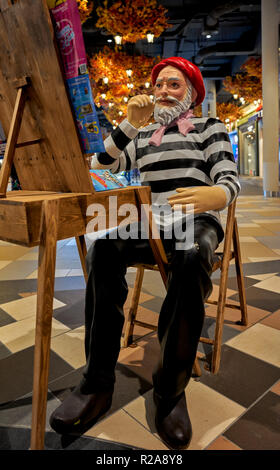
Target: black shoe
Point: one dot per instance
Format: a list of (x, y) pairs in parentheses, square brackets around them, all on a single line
[(173, 422), (80, 410)]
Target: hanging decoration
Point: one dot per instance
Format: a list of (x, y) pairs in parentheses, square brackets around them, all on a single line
[(85, 8), (132, 19), (125, 76), (228, 112), (248, 83)]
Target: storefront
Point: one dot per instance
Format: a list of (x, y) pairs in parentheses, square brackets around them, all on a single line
[(234, 143), (250, 145)]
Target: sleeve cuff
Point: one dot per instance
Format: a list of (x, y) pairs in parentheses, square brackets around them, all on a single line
[(228, 194), (128, 129)]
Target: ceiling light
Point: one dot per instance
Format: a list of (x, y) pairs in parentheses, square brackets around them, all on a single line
[(147, 84), (103, 96), (235, 96), (150, 37), (208, 36), (129, 72), (120, 113), (109, 40), (105, 80), (118, 39), (125, 99)]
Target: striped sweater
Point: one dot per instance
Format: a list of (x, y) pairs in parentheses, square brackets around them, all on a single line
[(201, 158)]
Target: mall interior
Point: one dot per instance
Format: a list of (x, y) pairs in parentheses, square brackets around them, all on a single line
[(237, 408)]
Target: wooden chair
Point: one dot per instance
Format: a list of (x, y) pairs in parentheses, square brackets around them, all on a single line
[(230, 251)]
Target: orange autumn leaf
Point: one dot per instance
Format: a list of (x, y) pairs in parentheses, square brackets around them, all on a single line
[(113, 96), (133, 19), (85, 8)]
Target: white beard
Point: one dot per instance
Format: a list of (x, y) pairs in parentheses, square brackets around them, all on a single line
[(166, 114)]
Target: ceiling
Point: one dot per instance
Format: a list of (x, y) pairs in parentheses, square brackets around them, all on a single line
[(235, 29)]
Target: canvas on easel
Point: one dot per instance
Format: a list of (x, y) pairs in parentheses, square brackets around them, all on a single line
[(52, 159)]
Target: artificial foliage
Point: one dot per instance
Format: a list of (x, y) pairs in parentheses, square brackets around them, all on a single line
[(229, 111), (85, 8), (133, 19), (247, 83), (116, 93)]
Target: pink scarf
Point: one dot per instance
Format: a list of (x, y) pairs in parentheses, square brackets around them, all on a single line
[(183, 123)]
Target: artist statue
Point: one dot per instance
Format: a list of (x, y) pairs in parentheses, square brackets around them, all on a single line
[(186, 161)]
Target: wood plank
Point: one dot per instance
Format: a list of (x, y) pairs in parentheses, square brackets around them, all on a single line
[(45, 291), (12, 141), (20, 214), (144, 207), (82, 249)]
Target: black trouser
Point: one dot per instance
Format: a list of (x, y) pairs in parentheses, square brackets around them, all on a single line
[(181, 316)]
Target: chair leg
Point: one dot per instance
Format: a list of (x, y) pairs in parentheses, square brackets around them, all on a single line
[(239, 275), (196, 368), (216, 356), (128, 333)]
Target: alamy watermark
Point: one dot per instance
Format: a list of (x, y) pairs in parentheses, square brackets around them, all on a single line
[(154, 222)]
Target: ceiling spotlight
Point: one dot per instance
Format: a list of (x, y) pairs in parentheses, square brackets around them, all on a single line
[(105, 80), (150, 37), (147, 84), (118, 39), (235, 96), (120, 113), (208, 36), (109, 40), (129, 72), (227, 120), (125, 99), (209, 30), (103, 96)]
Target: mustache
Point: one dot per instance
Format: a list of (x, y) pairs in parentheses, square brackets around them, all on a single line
[(169, 98)]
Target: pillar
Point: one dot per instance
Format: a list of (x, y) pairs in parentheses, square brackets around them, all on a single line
[(270, 98), (209, 103)]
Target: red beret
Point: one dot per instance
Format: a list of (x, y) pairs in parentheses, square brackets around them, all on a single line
[(189, 69)]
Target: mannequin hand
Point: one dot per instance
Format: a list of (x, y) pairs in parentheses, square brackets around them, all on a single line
[(139, 109), (203, 198)]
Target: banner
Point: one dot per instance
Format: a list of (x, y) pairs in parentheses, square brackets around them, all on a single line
[(68, 31)]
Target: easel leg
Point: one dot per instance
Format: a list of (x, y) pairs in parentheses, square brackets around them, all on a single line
[(45, 292), (144, 208), (82, 249), (12, 140)]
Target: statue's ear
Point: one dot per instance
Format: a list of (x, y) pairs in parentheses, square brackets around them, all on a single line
[(194, 94)]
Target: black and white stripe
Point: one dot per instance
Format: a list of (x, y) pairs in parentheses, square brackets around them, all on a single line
[(201, 158)]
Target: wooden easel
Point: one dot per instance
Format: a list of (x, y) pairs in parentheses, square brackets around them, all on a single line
[(44, 146)]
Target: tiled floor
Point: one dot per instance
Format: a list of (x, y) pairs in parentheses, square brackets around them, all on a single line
[(237, 409)]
